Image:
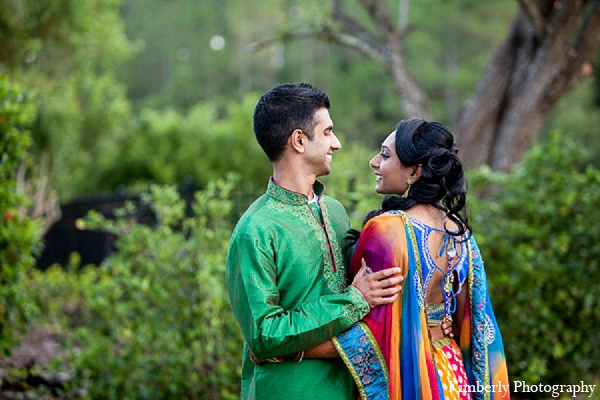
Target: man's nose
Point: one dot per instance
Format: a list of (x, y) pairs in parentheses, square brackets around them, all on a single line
[(335, 143)]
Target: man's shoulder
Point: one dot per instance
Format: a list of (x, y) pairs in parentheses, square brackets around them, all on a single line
[(255, 212), (333, 203), (260, 217)]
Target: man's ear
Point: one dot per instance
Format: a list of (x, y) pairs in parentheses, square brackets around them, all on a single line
[(298, 140)]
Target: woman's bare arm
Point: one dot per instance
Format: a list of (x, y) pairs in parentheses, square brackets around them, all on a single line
[(461, 301)]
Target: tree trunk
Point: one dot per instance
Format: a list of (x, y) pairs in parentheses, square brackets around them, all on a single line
[(539, 62)]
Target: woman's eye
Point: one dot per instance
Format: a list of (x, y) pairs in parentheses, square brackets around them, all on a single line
[(384, 155)]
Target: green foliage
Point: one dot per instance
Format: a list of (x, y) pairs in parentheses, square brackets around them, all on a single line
[(68, 51), (19, 235), (167, 147), (61, 36), (579, 121), (362, 112), (61, 295), (538, 232), (153, 321), (82, 118)]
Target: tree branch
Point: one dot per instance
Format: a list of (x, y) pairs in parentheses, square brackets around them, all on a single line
[(386, 51), (534, 16), (587, 42), (354, 28), (45, 203), (256, 46), (584, 48), (380, 13), (326, 34)]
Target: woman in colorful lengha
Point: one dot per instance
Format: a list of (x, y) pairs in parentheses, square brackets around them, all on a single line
[(399, 351)]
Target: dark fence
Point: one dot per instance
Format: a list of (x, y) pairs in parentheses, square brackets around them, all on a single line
[(64, 238)]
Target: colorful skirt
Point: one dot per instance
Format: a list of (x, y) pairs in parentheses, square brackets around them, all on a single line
[(451, 369)]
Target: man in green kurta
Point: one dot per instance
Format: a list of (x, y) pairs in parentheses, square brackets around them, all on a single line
[(286, 277)]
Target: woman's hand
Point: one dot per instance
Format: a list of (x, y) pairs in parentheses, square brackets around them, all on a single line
[(448, 329), (378, 288)]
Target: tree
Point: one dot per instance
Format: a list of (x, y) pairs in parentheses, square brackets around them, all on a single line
[(67, 51), (548, 51)]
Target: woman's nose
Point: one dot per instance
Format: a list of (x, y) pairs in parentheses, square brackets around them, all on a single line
[(374, 163)]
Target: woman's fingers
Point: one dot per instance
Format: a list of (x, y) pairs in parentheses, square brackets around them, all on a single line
[(447, 329)]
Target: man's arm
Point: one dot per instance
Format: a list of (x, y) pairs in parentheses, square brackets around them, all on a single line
[(371, 284), (272, 331), (324, 350)]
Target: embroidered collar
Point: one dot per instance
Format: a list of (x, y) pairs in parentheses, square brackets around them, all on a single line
[(287, 196)]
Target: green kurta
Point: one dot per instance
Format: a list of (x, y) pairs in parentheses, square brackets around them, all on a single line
[(288, 289)]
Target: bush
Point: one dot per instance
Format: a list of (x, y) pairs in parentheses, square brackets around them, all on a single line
[(538, 232), (168, 331), (203, 144), (153, 321), (19, 235)]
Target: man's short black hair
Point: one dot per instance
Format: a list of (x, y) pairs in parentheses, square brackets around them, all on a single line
[(282, 110)]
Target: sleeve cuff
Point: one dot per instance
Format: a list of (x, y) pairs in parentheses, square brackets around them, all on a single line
[(358, 307)]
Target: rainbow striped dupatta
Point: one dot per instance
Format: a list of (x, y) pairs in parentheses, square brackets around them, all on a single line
[(389, 353)]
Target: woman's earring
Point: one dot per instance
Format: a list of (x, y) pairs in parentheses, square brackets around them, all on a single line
[(409, 182)]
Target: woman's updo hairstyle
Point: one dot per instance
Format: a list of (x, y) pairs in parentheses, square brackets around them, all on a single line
[(442, 182)]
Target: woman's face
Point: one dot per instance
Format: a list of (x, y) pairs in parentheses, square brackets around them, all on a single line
[(391, 174)]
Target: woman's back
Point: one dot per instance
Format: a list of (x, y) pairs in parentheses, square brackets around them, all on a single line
[(444, 263)]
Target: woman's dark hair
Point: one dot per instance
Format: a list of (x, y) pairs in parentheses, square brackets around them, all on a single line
[(442, 183)]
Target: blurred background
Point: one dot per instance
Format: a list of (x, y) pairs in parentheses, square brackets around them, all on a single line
[(127, 155)]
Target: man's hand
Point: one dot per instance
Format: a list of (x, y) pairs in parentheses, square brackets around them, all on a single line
[(294, 357), (378, 288)]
